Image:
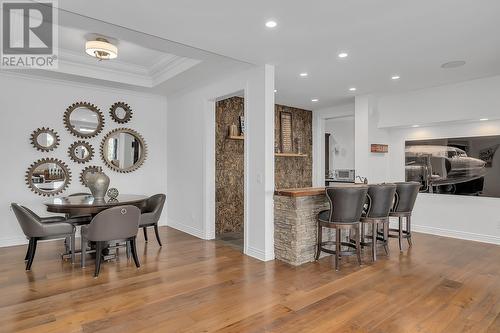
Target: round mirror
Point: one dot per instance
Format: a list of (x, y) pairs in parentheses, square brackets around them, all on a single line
[(120, 112), (91, 168), (123, 150), (48, 176), (83, 120), (44, 139), (81, 151)]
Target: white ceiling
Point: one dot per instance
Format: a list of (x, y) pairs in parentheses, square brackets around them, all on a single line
[(406, 37)]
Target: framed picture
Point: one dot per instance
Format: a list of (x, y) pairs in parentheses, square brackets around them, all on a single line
[(459, 166), (286, 132)]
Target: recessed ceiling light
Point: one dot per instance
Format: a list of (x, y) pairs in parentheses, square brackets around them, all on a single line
[(275, 90), (395, 77), (483, 119), (343, 55), (271, 24), (314, 100), (352, 89), (303, 74), (453, 64), (415, 126)]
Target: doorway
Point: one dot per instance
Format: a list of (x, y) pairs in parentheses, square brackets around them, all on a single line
[(230, 171)]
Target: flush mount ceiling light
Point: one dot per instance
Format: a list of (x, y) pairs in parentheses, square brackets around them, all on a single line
[(343, 55), (101, 49), (271, 24), (395, 77), (314, 100), (352, 89), (483, 119), (453, 64), (415, 126), (303, 74)]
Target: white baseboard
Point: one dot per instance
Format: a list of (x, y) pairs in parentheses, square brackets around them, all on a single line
[(13, 241), (456, 234), (185, 228), (259, 254)]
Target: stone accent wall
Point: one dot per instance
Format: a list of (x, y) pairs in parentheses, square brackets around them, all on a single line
[(296, 227), (292, 172), (229, 168)]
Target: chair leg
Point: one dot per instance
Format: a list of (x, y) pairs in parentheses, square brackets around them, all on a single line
[(72, 246), (408, 230), (400, 238), (83, 253), (374, 241), (386, 237), (320, 239), (32, 254), (145, 231), (28, 251), (337, 248), (358, 244), (98, 252), (129, 251), (134, 252), (157, 233)]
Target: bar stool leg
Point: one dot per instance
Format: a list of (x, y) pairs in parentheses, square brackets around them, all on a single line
[(320, 240), (358, 243), (337, 248), (374, 241), (400, 233), (408, 230)]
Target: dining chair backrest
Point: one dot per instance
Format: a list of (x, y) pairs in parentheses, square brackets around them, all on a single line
[(346, 202), (406, 195), (154, 204), (30, 222), (115, 223), (380, 200)]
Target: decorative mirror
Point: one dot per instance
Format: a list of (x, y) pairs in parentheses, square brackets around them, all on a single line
[(48, 176), (81, 151), (90, 168), (123, 150), (45, 139), (84, 120), (120, 112)]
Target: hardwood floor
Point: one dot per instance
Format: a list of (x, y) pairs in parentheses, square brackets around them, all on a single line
[(190, 285)]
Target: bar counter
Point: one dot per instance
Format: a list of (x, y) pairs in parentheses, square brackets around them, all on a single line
[(295, 226)]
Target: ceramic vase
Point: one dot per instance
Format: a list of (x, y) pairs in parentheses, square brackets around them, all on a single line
[(98, 183)]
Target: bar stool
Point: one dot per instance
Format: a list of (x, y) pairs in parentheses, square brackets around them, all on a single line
[(380, 199), (346, 206), (406, 195)]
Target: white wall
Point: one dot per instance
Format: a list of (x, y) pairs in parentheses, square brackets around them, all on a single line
[(449, 111), (28, 103), (341, 142), (191, 163), (318, 123)]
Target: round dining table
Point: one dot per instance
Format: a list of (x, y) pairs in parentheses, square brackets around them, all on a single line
[(88, 205)]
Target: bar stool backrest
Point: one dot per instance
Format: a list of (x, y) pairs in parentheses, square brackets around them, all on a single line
[(406, 195), (115, 223), (380, 200), (346, 202)]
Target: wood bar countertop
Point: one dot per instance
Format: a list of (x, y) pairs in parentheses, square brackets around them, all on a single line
[(309, 191), (301, 192)]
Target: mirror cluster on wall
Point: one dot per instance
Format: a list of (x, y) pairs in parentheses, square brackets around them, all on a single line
[(122, 150)]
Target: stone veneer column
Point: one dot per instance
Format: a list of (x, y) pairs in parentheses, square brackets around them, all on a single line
[(295, 227)]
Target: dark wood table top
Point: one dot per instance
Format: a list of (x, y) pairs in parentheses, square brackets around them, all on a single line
[(86, 204)]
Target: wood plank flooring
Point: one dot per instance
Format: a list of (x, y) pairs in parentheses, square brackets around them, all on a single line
[(191, 285)]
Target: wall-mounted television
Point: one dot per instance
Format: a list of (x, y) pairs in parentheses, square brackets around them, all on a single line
[(459, 166)]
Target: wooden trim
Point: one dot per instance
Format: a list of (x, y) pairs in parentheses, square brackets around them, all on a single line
[(301, 192)]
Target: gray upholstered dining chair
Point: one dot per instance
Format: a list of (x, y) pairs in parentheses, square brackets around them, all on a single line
[(150, 215), (346, 206), (406, 195), (113, 224), (41, 228), (380, 199)]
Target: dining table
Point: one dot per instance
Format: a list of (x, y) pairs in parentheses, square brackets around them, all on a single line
[(88, 205)]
